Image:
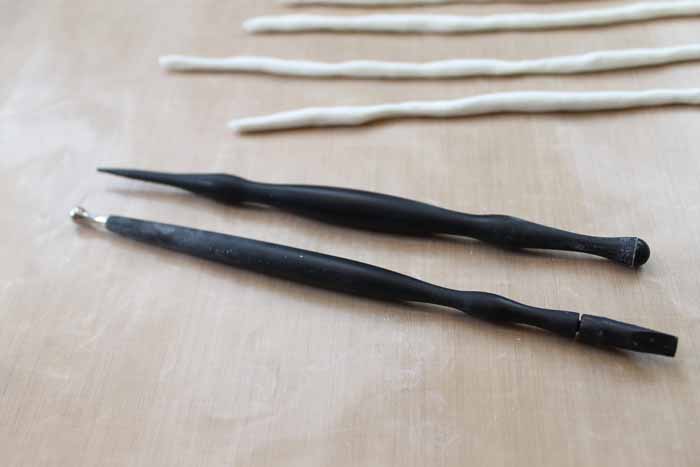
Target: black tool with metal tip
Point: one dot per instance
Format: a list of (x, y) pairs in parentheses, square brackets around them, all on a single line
[(355, 278), (384, 213)]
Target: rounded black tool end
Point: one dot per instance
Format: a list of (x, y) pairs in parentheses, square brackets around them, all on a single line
[(641, 253)]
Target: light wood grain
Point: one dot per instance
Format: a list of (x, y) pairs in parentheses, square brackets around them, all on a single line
[(115, 354)]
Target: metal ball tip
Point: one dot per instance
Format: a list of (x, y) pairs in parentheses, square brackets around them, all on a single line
[(80, 214)]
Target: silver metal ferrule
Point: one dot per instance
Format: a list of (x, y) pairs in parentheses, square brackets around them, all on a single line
[(80, 214)]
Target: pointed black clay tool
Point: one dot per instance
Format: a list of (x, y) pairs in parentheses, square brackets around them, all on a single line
[(384, 213), (355, 278)]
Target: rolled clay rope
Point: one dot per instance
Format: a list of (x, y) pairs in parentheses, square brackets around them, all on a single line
[(458, 68), (525, 102), (406, 23)]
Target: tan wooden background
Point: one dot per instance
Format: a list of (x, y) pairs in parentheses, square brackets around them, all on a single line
[(115, 354)]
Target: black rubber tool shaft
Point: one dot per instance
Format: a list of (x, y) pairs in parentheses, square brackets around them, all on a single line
[(384, 213), (355, 278)]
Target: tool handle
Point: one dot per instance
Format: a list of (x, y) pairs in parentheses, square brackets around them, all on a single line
[(392, 214), (385, 213), (334, 273), (356, 278)]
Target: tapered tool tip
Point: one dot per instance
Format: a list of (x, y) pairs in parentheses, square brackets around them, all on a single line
[(143, 175), (108, 170)]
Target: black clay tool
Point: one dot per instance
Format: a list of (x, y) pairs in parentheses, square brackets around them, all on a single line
[(384, 213), (352, 277)]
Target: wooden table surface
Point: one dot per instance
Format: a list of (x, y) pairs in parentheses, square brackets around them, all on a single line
[(115, 354)]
